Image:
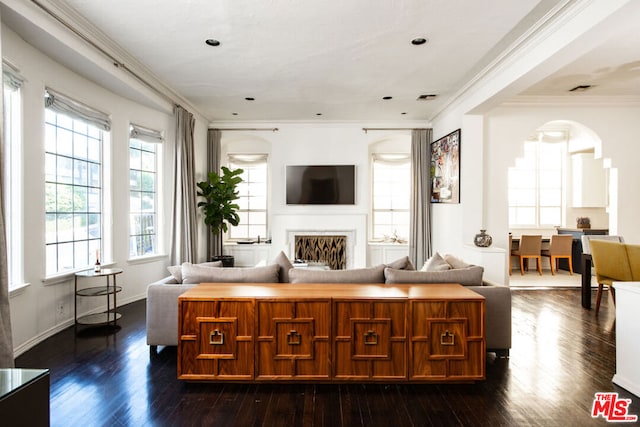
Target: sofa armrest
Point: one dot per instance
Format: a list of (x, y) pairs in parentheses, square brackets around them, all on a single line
[(498, 315), (162, 311)]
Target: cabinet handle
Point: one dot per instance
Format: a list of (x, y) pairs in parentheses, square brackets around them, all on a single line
[(370, 338), (293, 337), (216, 337), (447, 338)]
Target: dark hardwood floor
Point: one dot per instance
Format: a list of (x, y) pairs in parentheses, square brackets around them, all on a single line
[(561, 355)]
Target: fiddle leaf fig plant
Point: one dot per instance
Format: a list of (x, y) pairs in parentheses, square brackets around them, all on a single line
[(219, 191)]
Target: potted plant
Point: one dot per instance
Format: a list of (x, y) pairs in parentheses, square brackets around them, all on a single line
[(219, 192)]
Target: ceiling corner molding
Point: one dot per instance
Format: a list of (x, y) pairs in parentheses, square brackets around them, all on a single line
[(62, 14), (550, 24), (573, 101)]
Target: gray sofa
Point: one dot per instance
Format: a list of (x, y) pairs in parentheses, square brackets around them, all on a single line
[(162, 296)]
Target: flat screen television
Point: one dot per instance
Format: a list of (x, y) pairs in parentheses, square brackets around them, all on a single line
[(321, 185)]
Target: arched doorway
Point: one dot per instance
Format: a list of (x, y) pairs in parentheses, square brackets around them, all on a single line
[(558, 176)]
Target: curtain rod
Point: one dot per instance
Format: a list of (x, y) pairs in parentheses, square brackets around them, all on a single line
[(368, 129), (247, 129)]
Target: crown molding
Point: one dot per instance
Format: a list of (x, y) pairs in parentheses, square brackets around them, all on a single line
[(63, 16), (552, 23), (573, 101)]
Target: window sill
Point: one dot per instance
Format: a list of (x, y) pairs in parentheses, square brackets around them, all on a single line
[(68, 275), (383, 243), (18, 290), (146, 259)]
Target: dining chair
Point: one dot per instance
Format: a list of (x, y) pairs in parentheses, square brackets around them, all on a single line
[(560, 247), (530, 247), (610, 262)]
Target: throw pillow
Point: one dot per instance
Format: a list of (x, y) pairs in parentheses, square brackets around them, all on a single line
[(176, 270), (470, 276), (435, 263), (455, 262), (403, 263), (285, 265), (198, 274), (356, 275)]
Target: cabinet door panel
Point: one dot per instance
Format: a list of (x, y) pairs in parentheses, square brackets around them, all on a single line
[(370, 339), (447, 340), (293, 340), (216, 340)]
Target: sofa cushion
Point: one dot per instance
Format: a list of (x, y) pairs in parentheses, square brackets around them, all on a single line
[(470, 276), (435, 263), (176, 270), (455, 262), (285, 265), (403, 263), (195, 273), (356, 275)]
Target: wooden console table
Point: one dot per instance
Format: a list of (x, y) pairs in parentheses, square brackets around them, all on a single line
[(331, 333)]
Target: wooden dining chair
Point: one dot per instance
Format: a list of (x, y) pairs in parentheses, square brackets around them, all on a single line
[(530, 247), (559, 248)]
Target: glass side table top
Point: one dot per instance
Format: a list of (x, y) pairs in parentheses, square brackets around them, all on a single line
[(12, 379), (102, 272)]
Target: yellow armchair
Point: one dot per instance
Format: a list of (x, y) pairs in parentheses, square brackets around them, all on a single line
[(614, 262)]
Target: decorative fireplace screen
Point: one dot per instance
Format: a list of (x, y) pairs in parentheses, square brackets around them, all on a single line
[(328, 249)]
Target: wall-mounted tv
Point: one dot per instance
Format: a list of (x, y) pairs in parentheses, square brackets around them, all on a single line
[(321, 185)]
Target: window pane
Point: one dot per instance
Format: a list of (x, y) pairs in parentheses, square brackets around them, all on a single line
[(142, 198), (71, 230), (253, 199), (550, 216), (535, 185), (390, 197)]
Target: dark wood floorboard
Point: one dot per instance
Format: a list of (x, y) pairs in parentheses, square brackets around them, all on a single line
[(561, 355)]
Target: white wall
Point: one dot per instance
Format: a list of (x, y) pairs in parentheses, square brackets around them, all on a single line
[(617, 127), (316, 143), (34, 308)]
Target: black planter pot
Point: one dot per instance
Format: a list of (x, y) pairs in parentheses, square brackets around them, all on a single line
[(227, 260)]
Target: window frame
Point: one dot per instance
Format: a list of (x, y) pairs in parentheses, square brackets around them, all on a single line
[(154, 138), (245, 161), (12, 169), (93, 250), (390, 158), (538, 188)]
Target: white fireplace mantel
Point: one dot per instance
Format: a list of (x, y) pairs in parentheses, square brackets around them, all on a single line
[(286, 227)]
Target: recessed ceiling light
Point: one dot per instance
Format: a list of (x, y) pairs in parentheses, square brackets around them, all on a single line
[(403, 113), (386, 98), (318, 114), (418, 41), (234, 114), (426, 97), (581, 88), (248, 98), (212, 42)]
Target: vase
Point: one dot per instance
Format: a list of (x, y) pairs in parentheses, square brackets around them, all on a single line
[(482, 239)]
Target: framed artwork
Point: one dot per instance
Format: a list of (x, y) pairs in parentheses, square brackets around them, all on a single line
[(445, 169)]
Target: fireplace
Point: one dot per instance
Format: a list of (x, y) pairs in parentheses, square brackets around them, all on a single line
[(329, 249), (286, 227)]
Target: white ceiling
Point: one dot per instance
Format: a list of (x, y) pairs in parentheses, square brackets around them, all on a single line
[(338, 58)]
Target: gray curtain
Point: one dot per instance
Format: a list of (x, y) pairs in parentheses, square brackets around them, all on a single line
[(184, 245), (420, 209), (213, 165), (6, 340)]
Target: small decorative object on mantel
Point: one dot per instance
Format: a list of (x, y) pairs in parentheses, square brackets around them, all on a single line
[(583, 222), (482, 239), (394, 238)]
